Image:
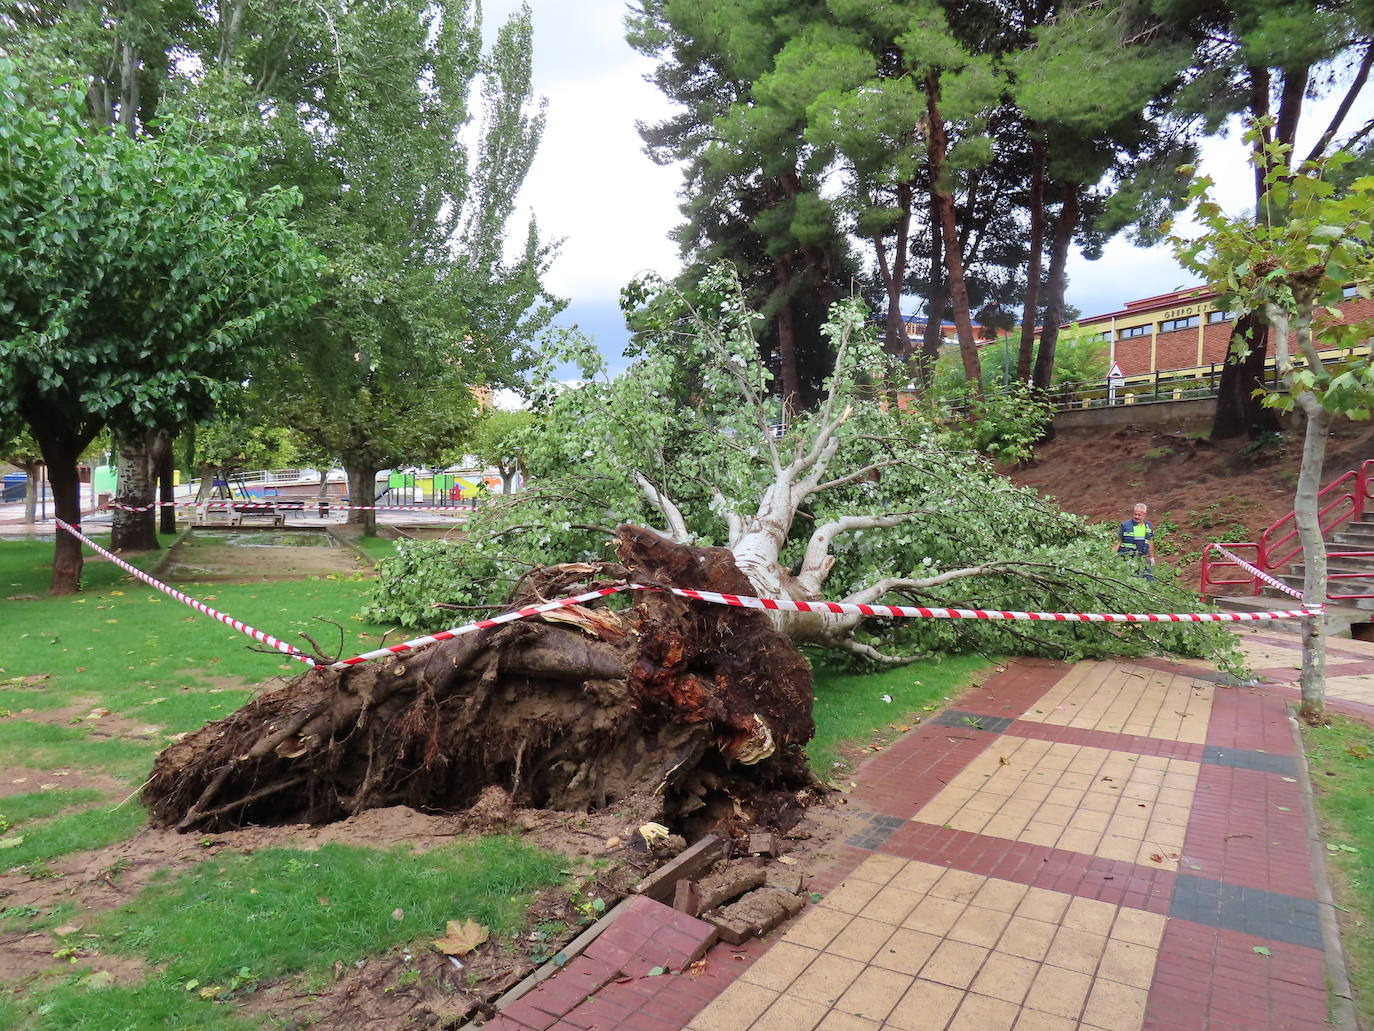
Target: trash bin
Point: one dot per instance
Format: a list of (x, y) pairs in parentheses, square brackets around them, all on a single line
[(16, 487)]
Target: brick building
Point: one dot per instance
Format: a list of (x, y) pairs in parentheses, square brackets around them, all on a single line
[(1179, 330)]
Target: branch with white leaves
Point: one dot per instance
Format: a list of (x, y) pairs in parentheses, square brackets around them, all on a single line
[(672, 515), (817, 560)]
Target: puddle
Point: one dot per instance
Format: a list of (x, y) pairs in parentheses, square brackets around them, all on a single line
[(262, 538)]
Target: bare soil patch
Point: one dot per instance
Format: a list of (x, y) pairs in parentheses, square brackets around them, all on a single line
[(1209, 492), (204, 555)]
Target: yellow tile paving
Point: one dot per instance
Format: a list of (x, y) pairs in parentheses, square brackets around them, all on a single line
[(1118, 805), (1124, 699), (1359, 688), (1004, 957)]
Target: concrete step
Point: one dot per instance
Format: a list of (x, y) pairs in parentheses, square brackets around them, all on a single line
[(1337, 563), (1342, 620), (1352, 541)]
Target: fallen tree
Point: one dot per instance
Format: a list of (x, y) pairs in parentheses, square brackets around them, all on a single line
[(853, 502), (702, 709)]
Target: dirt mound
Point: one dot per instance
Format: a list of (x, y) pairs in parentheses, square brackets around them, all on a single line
[(701, 707), (1198, 491)]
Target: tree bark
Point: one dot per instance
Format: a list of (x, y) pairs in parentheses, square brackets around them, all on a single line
[(787, 341), (936, 302), (1312, 679), (133, 531), (938, 151), (893, 271), (1065, 225), (31, 495), (1239, 412), (166, 475), (1030, 311), (362, 488)]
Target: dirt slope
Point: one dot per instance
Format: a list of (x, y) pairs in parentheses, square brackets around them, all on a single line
[(1198, 492)]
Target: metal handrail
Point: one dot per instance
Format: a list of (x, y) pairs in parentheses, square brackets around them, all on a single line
[(1357, 497)]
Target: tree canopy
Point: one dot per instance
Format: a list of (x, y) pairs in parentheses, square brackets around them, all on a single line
[(137, 278)]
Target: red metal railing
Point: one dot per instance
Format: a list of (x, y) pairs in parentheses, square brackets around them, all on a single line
[(1347, 498)]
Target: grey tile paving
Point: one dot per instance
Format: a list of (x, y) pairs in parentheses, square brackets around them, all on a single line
[(973, 721), (1244, 759), (1254, 911)]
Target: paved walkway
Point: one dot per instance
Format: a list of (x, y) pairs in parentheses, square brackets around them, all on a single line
[(1111, 846)]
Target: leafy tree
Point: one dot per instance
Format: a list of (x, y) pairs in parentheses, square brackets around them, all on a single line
[(1292, 264), (136, 279), (847, 504), (421, 302), (21, 451), (497, 441), (1267, 62), (752, 181)]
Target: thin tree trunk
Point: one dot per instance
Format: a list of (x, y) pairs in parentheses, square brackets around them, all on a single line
[(1064, 227), (31, 495), (938, 149), (1030, 311), (936, 302), (133, 531), (787, 341), (893, 272), (362, 486), (1312, 679)]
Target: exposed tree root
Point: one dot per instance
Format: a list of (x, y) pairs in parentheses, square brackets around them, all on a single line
[(703, 705)]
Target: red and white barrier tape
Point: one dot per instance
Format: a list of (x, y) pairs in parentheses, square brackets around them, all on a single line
[(837, 608), (287, 506), (1255, 571), (186, 599), (712, 597)]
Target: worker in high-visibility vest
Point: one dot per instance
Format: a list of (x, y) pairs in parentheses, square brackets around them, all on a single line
[(1136, 541)]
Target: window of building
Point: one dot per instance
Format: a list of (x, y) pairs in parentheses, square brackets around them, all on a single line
[(1103, 336), (1133, 331), (1173, 324), (1213, 317)]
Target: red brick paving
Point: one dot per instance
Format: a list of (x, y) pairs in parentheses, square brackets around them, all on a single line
[(1208, 979), (1107, 739), (1039, 866), (1246, 829)]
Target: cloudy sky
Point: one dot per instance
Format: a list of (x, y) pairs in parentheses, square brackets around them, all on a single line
[(593, 187)]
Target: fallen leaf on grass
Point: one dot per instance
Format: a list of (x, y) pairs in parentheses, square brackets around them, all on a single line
[(1359, 752), (463, 936), (13, 841)]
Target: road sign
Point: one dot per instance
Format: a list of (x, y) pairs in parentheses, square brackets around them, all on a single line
[(1115, 378)]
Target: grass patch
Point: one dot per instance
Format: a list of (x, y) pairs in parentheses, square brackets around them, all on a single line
[(282, 910), (43, 746), (849, 709), (78, 1006), (1342, 761), (37, 805), (375, 548), (74, 832)]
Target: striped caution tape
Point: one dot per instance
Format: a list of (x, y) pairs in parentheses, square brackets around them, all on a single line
[(186, 599), (286, 506), (1255, 571), (711, 597)]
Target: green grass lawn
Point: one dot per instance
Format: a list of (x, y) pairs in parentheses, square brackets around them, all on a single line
[(851, 711), (120, 650), (1342, 761)]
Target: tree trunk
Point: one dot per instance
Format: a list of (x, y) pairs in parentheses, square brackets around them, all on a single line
[(936, 302), (166, 475), (362, 490), (133, 531), (1239, 412), (696, 710), (787, 342), (938, 149), (893, 272), (1064, 228), (1030, 311), (1312, 680), (31, 494)]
